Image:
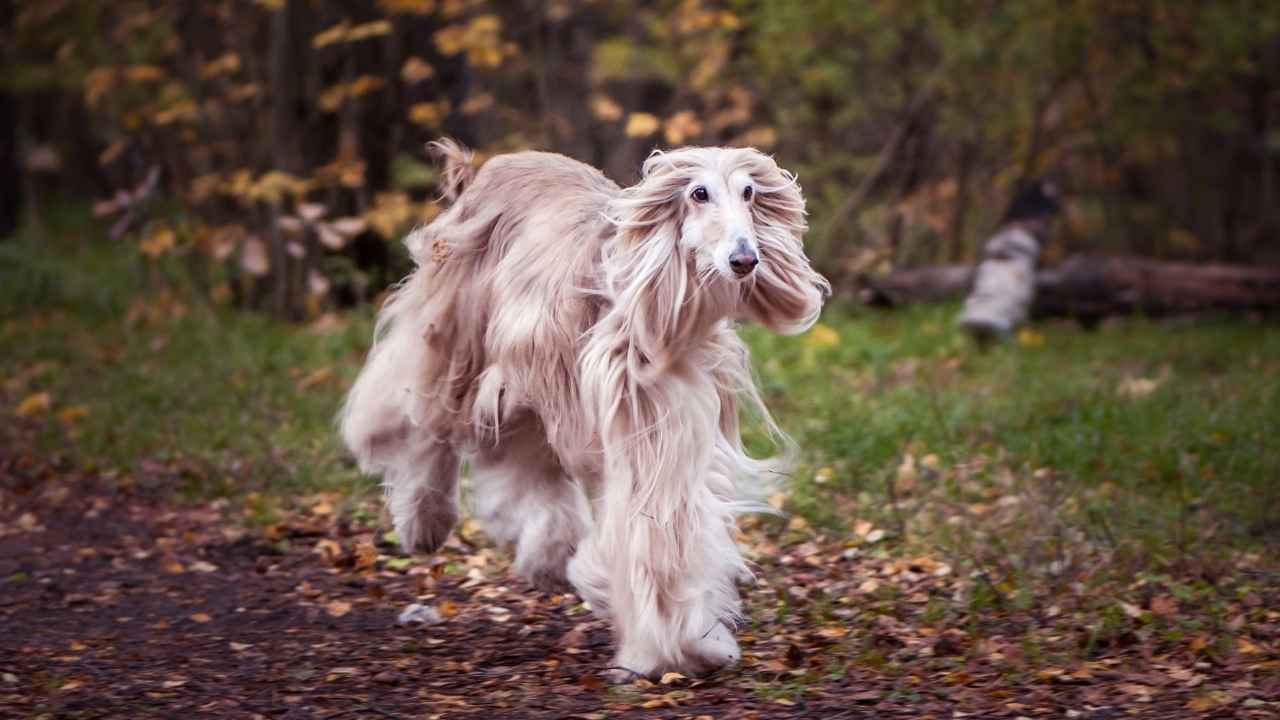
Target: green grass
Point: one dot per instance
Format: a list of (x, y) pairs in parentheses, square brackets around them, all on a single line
[(1055, 431), (231, 401), (1027, 457)]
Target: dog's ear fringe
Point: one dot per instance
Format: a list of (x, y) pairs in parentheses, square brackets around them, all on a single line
[(457, 166)]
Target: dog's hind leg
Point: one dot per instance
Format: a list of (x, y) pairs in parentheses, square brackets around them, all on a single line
[(522, 496), (422, 495)]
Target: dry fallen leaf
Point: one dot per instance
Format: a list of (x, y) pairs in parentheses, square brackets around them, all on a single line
[(1164, 605), (338, 608), (201, 617), (33, 405), (73, 414)]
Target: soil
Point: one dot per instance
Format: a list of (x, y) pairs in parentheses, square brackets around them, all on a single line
[(120, 600)]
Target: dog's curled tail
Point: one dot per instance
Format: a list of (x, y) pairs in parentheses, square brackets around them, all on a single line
[(456, 166)]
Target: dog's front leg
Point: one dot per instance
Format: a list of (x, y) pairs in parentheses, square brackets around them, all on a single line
[(662, 561)]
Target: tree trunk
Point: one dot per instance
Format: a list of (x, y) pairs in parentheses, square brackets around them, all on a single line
[(285, 154), (1003, 285), (10, 173)]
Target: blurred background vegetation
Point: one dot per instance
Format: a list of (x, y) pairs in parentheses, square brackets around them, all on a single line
[(273, 150)]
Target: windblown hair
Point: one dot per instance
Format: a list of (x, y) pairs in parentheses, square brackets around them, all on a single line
[(563, 335)]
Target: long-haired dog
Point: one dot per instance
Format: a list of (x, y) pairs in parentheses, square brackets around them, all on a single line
[(574, 342)]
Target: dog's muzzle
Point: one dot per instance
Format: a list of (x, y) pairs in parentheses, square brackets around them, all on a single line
[(743, 259)]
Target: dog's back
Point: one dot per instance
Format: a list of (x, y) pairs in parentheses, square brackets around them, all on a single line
[(487, 328)]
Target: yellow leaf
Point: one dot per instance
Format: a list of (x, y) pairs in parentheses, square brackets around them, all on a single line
[(1244, 645), (429, 114), (201, 617), (366, 555), (364, 31), (415, 70), (181, 111), (334, 34), (1030, 338), (642, 125), (113, 151), (668, 678), (143, 73), (275, 185), (407, 7), (159, 240), (32, 405), (681, 126), (604, 108), (364, 85), (227, 64), (73, 414), (332, 97), (822, 336), (476, 104), (338, 608), (98, 82), (318, 377), (449, 40), (244, 91)]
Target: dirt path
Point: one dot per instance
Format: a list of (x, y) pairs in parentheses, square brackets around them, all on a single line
[(119, 602)]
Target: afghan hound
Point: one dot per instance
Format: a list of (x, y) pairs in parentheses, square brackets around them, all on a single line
[(574, 342)]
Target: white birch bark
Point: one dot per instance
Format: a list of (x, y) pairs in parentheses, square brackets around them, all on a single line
[(1004, 284)]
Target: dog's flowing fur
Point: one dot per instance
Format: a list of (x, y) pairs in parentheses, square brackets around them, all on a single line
[(574, 341)]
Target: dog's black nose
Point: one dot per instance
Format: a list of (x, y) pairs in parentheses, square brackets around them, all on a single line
[(743, 259)]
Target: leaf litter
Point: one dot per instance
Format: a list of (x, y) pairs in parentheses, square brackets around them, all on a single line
[(131, 602)]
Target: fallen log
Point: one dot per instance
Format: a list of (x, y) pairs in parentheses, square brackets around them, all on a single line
[(1094, 286), (1090, 287), (934, 283)]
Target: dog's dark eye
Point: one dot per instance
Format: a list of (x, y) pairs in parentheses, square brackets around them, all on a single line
[(747, 192), (700, 194)]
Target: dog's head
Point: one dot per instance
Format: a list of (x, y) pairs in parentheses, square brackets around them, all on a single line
[(718, 231)]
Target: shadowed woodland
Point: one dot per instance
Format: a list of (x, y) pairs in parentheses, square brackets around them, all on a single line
[(201, 207)]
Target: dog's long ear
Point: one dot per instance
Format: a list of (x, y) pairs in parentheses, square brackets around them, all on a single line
[(457, 167), (786, 294), (657, 303)]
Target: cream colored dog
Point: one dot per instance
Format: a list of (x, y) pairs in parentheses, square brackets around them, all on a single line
[(574, 341)]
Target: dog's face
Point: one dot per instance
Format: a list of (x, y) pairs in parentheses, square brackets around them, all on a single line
[(718, 228), (709, 233)]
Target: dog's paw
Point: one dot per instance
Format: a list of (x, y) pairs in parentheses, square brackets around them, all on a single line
[(714, 651), (621, 676), (426, 530)]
